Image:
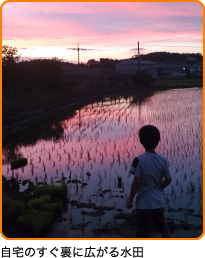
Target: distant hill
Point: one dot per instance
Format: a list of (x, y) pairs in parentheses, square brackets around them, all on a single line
[(172, 57)]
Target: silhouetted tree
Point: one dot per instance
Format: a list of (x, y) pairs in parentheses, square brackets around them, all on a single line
[(142, 78), (108, 63), (92, 63), (171, 57), (36, 75), (10, 55)]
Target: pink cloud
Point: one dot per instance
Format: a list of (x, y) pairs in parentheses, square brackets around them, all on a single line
[(136, 8), (100, 24)]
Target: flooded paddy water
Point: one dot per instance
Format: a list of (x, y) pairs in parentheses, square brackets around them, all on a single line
[(92, 151)]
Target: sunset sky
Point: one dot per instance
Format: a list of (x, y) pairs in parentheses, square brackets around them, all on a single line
[(102, 29)]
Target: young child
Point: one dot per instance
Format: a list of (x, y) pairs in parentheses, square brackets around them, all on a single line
[(151, 176)]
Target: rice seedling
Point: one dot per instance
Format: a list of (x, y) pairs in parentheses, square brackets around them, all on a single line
[(44, 167), (88, 156), (191, 188), (107, 141), (119, 182)]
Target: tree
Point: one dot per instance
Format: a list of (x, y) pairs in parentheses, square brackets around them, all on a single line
[(108, 63), (142, 78), (92, 63), (10, 55)]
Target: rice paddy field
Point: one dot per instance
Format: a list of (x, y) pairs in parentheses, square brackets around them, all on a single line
[(95, 150)]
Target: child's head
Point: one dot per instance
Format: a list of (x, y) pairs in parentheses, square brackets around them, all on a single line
[(149, 136)]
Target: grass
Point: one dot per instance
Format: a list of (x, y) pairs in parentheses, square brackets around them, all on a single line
[(55, 192), (179, 82), (39, 203), (35, 216), (40, 215), (11, 209), (35, 222), (32, 100)]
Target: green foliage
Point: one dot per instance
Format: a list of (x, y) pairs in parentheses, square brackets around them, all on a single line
[(44, 209), (56, 192), (44, 203), (55, 208), (18, 163), (35, 222), (11, 209), (36, 75), (39, 203), (34, 84), (36, 213)]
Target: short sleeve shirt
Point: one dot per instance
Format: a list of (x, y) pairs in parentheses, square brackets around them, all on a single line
[(151, 168)]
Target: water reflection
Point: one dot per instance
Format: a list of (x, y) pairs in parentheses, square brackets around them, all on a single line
[(95, 146)]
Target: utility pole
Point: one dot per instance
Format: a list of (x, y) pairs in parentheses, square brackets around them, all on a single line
[(139, 56), (78, 49)]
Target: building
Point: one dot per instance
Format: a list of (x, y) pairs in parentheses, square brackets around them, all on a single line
[(156, 69), (172, 69), (131, 66), (197, 69)]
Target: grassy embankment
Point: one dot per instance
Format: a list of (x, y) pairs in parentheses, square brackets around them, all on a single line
[(17, 102), (182, 82)]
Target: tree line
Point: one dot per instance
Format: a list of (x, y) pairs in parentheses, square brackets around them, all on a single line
[(38, 75), (45, 75), (171, 57), (27, 85), (190, 58)]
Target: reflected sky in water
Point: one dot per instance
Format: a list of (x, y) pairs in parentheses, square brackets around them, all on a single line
[(98, 143)]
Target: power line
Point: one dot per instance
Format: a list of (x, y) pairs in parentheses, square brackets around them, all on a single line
[(132, 45), (159, 40), (78, 49), (172, 46)]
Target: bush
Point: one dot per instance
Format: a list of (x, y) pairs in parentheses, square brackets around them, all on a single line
[(44, 203), (56, 192), (31, 217), (39, 203), (36, 75), (35, 222), (43, 209), (11, 209), (142, 78), (55, 208)]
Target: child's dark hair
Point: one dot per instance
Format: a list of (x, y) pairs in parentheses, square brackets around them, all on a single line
[(149, 136)]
